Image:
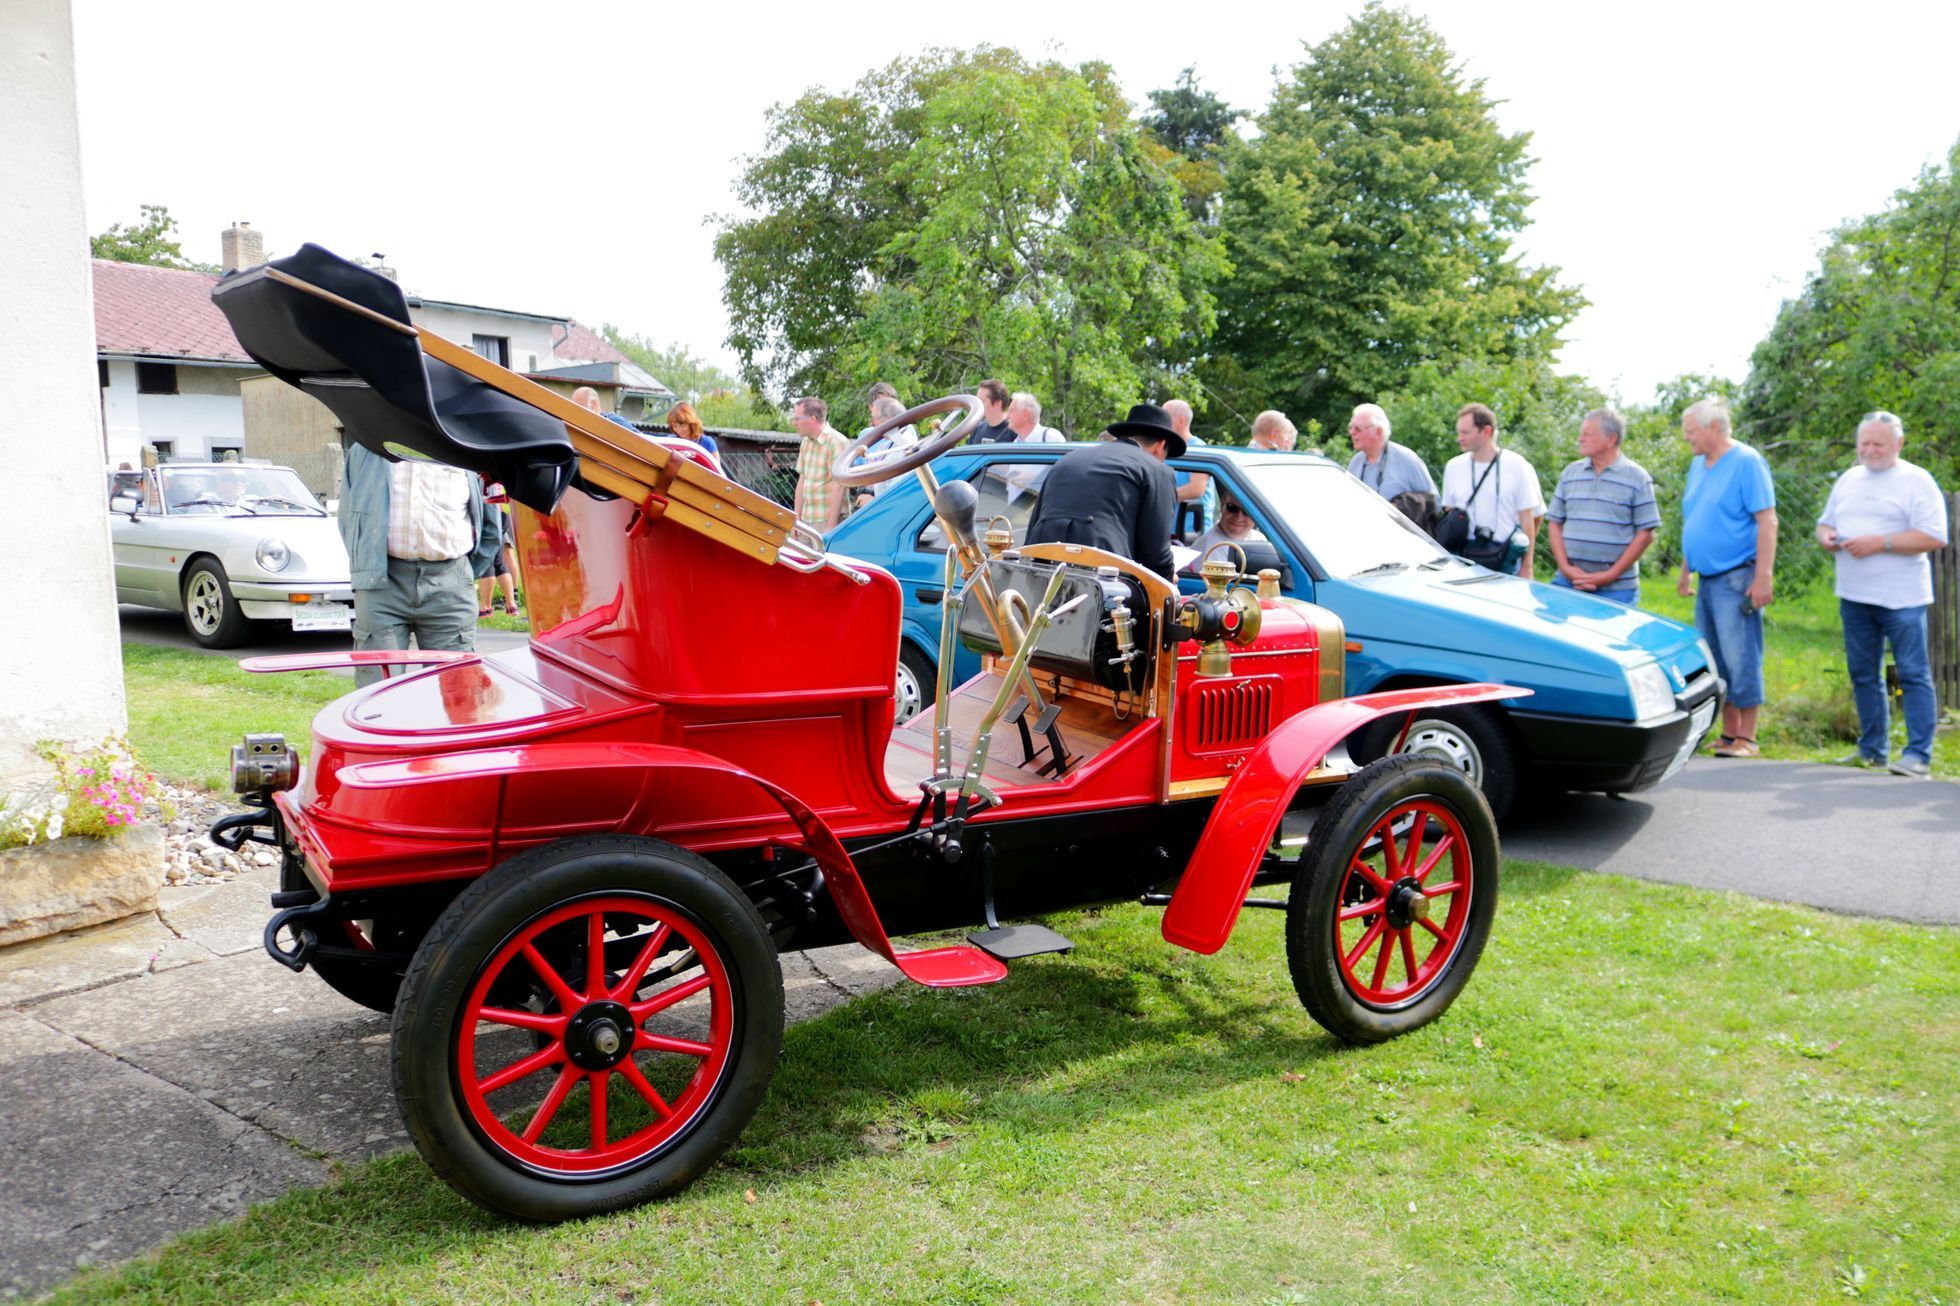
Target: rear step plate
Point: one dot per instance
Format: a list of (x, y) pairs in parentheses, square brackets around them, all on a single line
[(1011, 942)]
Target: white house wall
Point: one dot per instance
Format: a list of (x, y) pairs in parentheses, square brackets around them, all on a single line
[(60, 649), (206, 412), (530, 339)]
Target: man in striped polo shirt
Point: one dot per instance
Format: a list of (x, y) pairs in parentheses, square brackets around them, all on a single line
[(1602, 516)]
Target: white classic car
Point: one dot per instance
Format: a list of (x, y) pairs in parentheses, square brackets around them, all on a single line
[(227, 544)]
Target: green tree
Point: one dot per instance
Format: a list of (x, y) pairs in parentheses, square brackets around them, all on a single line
[(1877, 325), (719, 398), (1195, 126), (153, 241), (1370, 226), (1012, 223)]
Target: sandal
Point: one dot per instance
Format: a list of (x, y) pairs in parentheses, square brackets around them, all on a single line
[(1740, 746), (510, 609), (1724, 742), (483, 612)]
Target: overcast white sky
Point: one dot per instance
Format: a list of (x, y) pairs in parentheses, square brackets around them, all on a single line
[(566, 158)]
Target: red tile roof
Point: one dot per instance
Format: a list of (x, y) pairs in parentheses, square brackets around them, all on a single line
[(587, 346), (160, 313)]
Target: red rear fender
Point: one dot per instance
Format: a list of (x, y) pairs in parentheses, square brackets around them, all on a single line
[(1206, 904), (603, 766)]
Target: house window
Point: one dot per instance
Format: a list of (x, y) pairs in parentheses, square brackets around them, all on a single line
[(156, 378), (494, 348), (166, 449)]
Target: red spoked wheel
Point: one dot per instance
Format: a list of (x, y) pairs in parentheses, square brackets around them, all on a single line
[(1412, 871), (588, 1026), (1393, 900), (595, 1023)]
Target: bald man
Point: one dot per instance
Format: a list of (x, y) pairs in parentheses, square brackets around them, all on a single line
[(1272, 431)]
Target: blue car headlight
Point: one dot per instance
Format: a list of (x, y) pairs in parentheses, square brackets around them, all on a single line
[(1652, 691), (273, 554)]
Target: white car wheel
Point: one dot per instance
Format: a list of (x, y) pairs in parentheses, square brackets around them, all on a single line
[(1448, 743)]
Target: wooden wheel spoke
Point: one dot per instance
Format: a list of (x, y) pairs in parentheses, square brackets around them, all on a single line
[(1391, 853), (646, 1090), (1443, 845), (663, 1043), (670, 997), (638, 970), (595, 956), (1361, 909), (522, 1069), (1360, 949), (521, 1019), (568, 1001), (1408, 953), (1433, 928), (548, 1108), (1417, 828), (599, 1080), (1382, 959)]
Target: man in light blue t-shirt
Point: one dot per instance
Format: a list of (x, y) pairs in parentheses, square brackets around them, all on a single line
[(1728, 541), (1379, 463)]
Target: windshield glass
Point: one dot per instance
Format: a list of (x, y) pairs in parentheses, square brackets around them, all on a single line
[(1349, 529), (223, 491)]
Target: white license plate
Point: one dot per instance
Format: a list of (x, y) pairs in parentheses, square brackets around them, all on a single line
[(1698, 724), (322, 614)]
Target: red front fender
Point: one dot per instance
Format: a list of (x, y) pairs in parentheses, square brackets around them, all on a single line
[(1206, 905), (935, 967)]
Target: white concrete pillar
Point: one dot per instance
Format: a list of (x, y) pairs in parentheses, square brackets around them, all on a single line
[(60, 646)]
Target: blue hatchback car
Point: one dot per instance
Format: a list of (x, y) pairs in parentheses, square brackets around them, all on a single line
[(1621, 698)]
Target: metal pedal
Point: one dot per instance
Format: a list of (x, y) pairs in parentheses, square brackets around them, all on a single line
[(1012, 942)]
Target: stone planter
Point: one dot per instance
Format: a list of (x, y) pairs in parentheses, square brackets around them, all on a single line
[(47, 888)]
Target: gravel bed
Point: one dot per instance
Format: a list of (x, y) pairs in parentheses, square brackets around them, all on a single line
[(189, 856)]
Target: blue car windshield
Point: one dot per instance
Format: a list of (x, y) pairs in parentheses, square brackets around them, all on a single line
[(1347, 527)]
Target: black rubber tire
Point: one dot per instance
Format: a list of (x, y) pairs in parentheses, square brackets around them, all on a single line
[(469, 933), (923, 672), (1477, 723), (1315, 897), (373, 987), (232, 626)]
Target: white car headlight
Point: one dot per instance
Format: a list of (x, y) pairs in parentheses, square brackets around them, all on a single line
[(1653, 693), (273, 554)]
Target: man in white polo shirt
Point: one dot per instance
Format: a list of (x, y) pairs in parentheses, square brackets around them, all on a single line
[(1882, 519)]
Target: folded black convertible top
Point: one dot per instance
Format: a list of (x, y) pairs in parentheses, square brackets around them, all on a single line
[(363, 359)]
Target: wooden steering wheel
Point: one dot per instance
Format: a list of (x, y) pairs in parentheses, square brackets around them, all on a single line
[(852, 470)]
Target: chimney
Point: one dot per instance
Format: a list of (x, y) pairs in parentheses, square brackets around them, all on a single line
[(240, 247)]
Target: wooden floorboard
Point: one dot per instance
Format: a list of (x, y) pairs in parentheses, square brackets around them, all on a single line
[(1087, 725)]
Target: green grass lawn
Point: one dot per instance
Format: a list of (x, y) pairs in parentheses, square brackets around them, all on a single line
[(1808, 714), (1646, 1093), (187, 709)]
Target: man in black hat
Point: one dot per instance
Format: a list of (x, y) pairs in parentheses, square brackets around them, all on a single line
[(1118, 495)]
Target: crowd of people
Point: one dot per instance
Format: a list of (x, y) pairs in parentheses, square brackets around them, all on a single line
[(1883, 517)]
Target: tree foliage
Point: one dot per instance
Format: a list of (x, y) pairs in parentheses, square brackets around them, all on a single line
[(153, 241), (1369, 225), (719, 398), (1194, 126), (964, 215), (1877, 325)]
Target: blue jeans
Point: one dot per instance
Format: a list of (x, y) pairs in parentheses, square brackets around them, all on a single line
[(1736, 639), (1867, 629), (1621, 591)]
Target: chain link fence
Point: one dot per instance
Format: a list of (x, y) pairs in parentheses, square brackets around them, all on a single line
[(763, 461)]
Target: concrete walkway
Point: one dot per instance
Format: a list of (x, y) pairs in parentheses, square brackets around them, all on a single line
[(162, 1074)]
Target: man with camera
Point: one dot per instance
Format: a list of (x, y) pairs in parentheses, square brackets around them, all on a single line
[(1491, 496)]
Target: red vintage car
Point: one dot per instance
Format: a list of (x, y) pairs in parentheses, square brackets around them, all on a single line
[(569, 871)]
